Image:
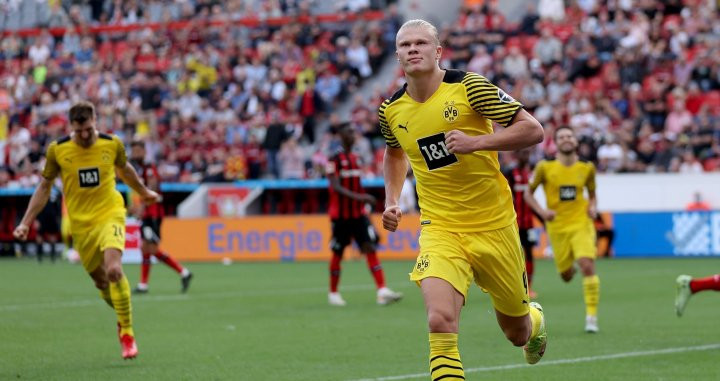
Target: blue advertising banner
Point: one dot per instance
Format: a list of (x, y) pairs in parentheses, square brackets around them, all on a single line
[(667, 234)]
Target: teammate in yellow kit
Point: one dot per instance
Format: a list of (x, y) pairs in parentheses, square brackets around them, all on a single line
[(569, 216), (87, 162), (442, 122)]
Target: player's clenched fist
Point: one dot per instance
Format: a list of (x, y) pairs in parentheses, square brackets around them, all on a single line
[(458, 142), (391, 217), (151, 197), (21, 232)]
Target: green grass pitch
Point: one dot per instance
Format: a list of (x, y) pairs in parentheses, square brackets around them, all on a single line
[(271, 321)]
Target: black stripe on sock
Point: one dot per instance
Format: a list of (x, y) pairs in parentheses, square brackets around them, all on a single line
[(445, 366), (444, 357), (449, 376)]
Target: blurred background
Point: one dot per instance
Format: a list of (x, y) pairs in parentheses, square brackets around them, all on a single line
[(235, 102)]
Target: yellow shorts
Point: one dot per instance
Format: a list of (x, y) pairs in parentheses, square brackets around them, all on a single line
[(91, 244), (494, 259), (568, 246)]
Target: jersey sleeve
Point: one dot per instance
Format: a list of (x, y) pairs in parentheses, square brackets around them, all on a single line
[(120, 157), (390, 138), (489, 100), (590, 182), (52, 168), (538, 176)]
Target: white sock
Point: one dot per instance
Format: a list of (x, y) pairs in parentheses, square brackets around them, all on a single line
[(184, 272)]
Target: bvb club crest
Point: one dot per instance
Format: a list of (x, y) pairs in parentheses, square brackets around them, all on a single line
[(422, 263), (450, 112)]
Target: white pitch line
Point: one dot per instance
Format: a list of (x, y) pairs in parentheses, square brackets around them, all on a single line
[(560, 362), (170, 298)]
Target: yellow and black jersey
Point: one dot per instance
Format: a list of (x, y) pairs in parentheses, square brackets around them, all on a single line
[(564, 192), (88, 177), (458, 192)]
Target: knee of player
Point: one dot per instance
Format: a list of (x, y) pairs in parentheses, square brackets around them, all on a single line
[(115, 273), (442, 321), (519, 335), (102, 284), (367, 248)]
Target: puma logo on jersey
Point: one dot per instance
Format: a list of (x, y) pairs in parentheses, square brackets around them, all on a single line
[(403, 127)]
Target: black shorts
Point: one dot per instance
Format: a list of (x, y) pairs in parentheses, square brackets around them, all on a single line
[(49, 224), (526, 238), (358, 229), (49, 220), (150, 229)]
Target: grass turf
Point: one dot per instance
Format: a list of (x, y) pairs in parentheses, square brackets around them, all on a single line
[(271, 321)]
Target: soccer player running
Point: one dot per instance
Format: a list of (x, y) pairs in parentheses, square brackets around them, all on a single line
[(349, 219), (152, 216), (687, 286), (518, 177), (569, 216), (441, 120), (87, 162)]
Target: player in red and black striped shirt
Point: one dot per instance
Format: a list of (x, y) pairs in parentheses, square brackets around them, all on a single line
[(152, 216), (519, 177), (349, 218)]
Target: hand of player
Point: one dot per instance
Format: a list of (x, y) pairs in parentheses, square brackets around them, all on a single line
[(592, 211), (21, 232), (391, 217), (151, 197), (457, 141), (548, 215), (368, 199)]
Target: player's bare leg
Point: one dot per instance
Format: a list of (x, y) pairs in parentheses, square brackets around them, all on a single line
[(443, 304), (591, 293)]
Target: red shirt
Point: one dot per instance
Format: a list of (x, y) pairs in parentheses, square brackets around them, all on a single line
[(518, 178), (345, 167), (147, 172)]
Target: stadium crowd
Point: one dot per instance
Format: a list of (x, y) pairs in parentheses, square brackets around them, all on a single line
[(217, 100)]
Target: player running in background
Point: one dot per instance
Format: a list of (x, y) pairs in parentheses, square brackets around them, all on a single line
[(518, 177), (152, 216), (687, 286), (87, 162), (442, 122), (349, 218), (569, 216)]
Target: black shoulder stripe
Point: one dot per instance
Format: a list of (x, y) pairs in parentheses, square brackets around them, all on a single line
[(453, 76), (105, 136), (397, 95), (63, 139)]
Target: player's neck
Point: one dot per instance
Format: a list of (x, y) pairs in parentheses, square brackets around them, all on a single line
[(567, 159), (83, 143), (422, 86)]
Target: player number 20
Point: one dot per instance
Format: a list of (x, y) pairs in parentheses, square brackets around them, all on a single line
[(434, 153)]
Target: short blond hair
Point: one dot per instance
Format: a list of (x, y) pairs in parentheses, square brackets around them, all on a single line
[(418, 23)]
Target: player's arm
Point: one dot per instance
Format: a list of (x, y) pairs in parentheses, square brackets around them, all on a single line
[(337, 187), (39, 199), (522, 129), (128, 175), (395, 168), (529, 196)]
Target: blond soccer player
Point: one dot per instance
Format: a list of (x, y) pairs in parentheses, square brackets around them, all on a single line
[(441, 122)]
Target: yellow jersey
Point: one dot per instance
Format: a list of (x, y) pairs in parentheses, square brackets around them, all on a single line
[(88, 177), (564, 192), (458, 192)]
